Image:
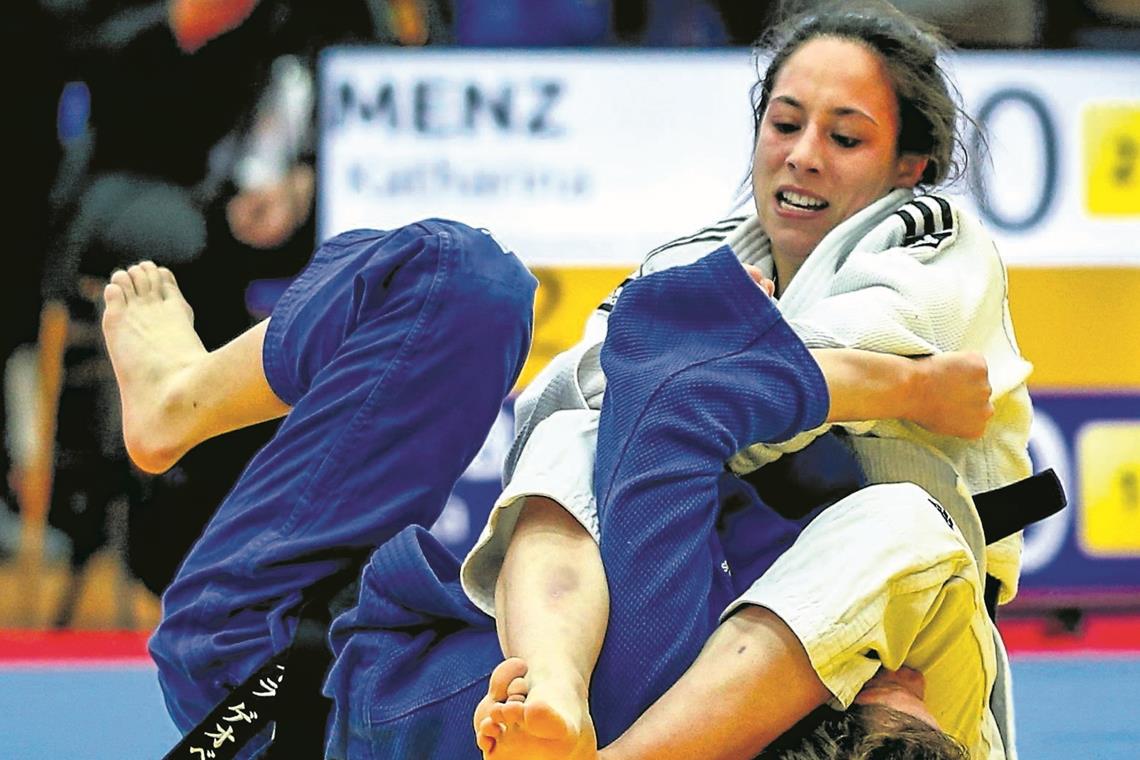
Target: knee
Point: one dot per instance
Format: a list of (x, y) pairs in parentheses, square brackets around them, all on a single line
[(490, 289), (495, 278)]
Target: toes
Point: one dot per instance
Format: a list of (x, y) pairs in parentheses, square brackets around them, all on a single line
[(140, 279), (153, 279), (504, 673), (113, 296), (518, 687), (481, 711), (514, 712), (126, 284), (508, 713), (168, 286), (486, 733), (485, 744)]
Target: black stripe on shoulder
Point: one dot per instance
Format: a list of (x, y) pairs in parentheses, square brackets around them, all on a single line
[(715, 231), (938, 207), (701, 239), (908, 220), (927, 217), (947, 214), (724, 225), (677, 244)]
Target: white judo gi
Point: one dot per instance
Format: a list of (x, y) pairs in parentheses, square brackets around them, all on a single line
[(907, 276)]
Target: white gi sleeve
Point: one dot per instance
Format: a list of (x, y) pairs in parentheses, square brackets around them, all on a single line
[(882, 578), (921, 299)]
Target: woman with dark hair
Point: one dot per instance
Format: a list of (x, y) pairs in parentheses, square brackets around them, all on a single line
[(853, 113)]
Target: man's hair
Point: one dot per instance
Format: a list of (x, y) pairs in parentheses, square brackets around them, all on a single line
[(863, 732)]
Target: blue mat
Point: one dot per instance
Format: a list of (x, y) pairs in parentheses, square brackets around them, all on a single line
[(1066, 708)]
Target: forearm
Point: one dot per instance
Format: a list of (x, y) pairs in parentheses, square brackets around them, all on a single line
[(947, 393), (752, 681), (865, 385)]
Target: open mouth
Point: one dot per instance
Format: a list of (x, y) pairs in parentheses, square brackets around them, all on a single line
[(791, 200)]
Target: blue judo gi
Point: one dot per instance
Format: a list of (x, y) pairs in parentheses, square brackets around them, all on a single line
[(699, 364), (395, 350)]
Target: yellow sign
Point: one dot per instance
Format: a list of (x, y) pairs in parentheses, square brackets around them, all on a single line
[(1112, 159), (1078, 326), (1063, 337), (566, 298), (1109, 457)]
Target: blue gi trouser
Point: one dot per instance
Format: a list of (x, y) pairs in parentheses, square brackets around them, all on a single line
[(699, 364), (395, 350)]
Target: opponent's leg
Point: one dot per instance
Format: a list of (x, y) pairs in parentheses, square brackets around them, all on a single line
[(174, 393), (395, 351), (551, 604)]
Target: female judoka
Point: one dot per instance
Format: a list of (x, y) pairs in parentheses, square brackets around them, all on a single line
[(852, 113)]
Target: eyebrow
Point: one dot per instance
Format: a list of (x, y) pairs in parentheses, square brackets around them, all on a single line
[(841, 111)]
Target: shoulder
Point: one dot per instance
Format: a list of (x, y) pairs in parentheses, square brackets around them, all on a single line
[(925, 221), (927, 226), (680, 251), (688, 248)]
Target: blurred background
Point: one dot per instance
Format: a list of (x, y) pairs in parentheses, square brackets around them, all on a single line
[(226, 138)]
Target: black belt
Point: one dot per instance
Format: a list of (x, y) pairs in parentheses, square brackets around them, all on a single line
[(285, 690), (827, 470)]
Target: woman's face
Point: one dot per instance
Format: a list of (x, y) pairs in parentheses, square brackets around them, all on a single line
[(827, 144)]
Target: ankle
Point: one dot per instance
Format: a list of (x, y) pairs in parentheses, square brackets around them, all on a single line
[(156, 440), (561, 671)]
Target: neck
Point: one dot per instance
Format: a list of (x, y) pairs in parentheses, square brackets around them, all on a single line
[(784, 269)]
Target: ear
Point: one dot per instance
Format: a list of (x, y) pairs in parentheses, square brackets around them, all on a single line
[(909, 169)]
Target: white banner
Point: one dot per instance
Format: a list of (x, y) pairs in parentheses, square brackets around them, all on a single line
[(588, 157)]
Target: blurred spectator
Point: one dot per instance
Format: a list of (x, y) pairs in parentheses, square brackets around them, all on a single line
[(31, 160), (583, 23), (982, 23), (198, 155), (746, 20), (683, 23), (532, 23)]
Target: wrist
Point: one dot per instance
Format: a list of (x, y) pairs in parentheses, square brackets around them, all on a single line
[(917, 382)]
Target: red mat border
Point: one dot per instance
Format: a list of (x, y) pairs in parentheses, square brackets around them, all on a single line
[(1098, 635), (27, 647)]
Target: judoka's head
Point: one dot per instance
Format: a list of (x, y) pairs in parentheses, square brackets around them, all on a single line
[(902, 690), (888, 721), (853, 104)]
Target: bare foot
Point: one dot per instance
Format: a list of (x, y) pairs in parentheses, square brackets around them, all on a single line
[(149, 331), (538, 716), (504, 674)]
